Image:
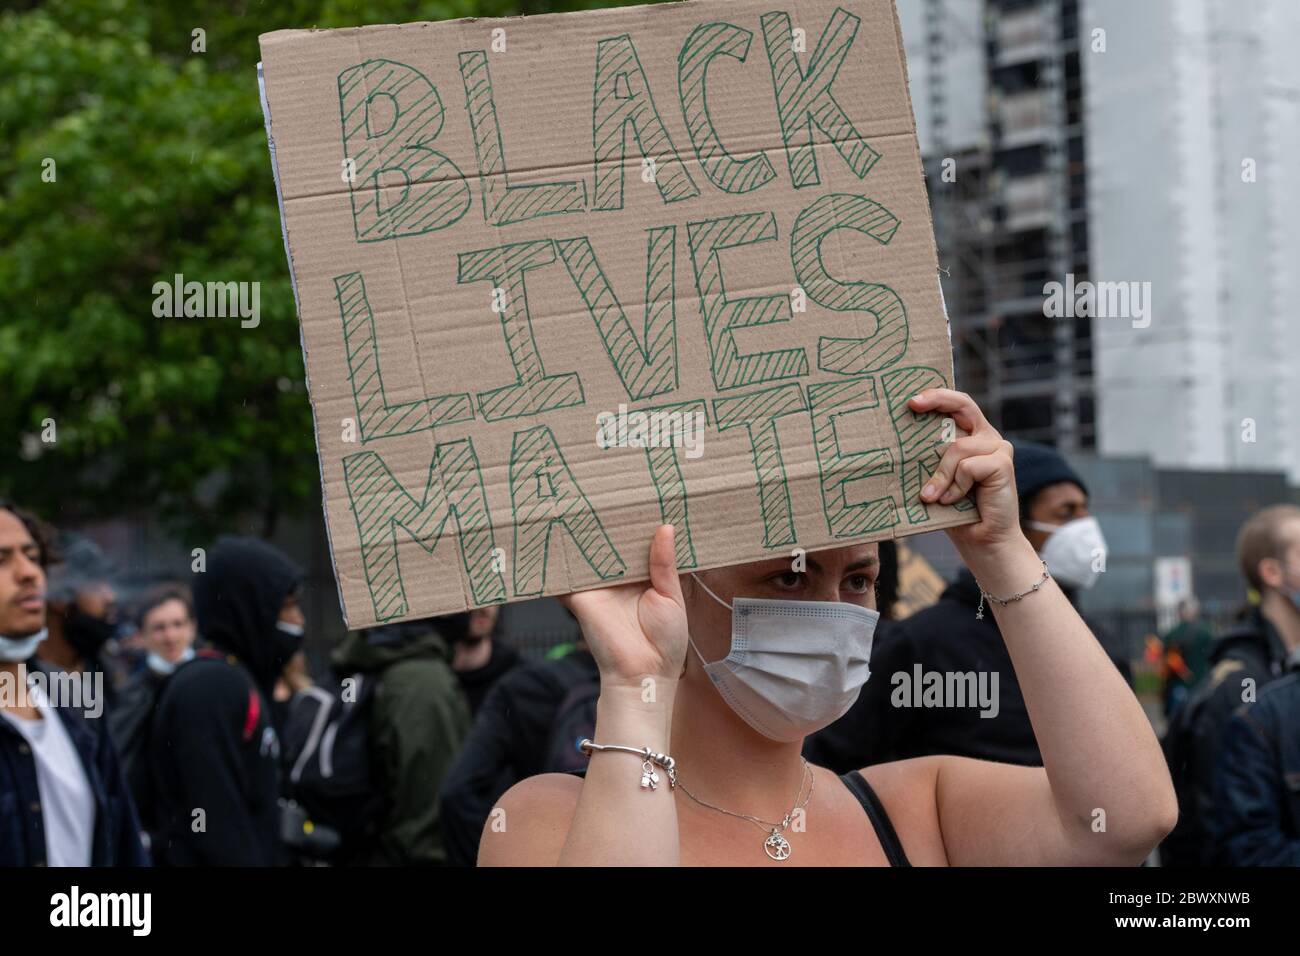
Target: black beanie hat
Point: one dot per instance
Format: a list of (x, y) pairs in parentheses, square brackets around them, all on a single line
[(1038, 466)]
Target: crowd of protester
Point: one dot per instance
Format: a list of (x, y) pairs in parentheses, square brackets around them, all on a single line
[(200, 738)]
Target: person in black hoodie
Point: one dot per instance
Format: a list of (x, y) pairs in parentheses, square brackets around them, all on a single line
[(953, 637), (215, 752)]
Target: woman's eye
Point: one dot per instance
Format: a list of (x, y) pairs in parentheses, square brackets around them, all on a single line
[(858, 583), (788, 580)]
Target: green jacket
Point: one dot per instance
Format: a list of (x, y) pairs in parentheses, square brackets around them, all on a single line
[(417, 726)]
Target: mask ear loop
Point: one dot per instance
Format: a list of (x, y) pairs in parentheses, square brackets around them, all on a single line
[(689, 640), (709, 592)]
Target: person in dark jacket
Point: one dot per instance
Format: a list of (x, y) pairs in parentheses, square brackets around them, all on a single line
[(479, 657), (1242, 661), (1255, 820), (509, 740), (418, 724), (63, 801), (955, 637), (214, 752), (165, 618)]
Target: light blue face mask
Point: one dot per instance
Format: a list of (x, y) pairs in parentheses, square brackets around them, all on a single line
[(163, 667), (794, 666), (13, 649)]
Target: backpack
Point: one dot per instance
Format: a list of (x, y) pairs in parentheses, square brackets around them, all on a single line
[(574, 719), (327, 747)]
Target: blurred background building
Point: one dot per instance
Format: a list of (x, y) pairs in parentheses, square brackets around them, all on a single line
[(1133, 142), (998, 96), (1120, 142)]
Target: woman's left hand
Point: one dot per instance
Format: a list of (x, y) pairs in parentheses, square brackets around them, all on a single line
[(979, 460)]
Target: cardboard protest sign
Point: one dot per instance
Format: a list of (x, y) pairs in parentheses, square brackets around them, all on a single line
[(565, 278)]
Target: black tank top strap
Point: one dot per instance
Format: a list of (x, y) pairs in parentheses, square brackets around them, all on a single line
[(885, 832)]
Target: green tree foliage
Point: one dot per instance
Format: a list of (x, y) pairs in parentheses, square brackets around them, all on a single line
[(160, 167)]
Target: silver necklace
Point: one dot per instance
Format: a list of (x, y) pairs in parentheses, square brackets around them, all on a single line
[(776, 845)]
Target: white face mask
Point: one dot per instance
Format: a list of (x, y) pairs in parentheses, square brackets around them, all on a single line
[(14, 649), (160, 665), (1072, 550), (794, 666)]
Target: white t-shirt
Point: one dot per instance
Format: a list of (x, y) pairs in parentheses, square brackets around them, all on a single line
[(67, 803)]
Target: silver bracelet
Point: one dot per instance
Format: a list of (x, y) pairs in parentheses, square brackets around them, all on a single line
[(649, 778), (979, 611)]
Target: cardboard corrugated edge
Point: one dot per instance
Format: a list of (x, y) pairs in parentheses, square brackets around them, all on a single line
[(302, 340)]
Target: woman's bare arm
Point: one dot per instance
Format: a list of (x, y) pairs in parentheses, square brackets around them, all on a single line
[(1104, 795)]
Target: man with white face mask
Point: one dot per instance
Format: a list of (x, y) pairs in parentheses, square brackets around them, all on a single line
[(1054, 513), (957, 636)]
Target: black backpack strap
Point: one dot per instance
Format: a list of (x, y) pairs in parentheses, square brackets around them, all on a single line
[(880, 822)]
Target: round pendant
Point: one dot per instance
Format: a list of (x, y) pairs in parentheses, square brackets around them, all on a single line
[(777, 847)]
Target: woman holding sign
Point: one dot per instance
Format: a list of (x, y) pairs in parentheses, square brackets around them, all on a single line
[(710, 682)]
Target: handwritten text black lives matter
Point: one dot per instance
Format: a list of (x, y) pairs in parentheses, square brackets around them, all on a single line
[(749, 391)]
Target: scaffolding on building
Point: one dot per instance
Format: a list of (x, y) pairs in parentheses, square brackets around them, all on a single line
[(1014, 217)]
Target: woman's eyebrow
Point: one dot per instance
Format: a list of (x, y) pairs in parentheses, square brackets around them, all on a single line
[(862, 565)]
